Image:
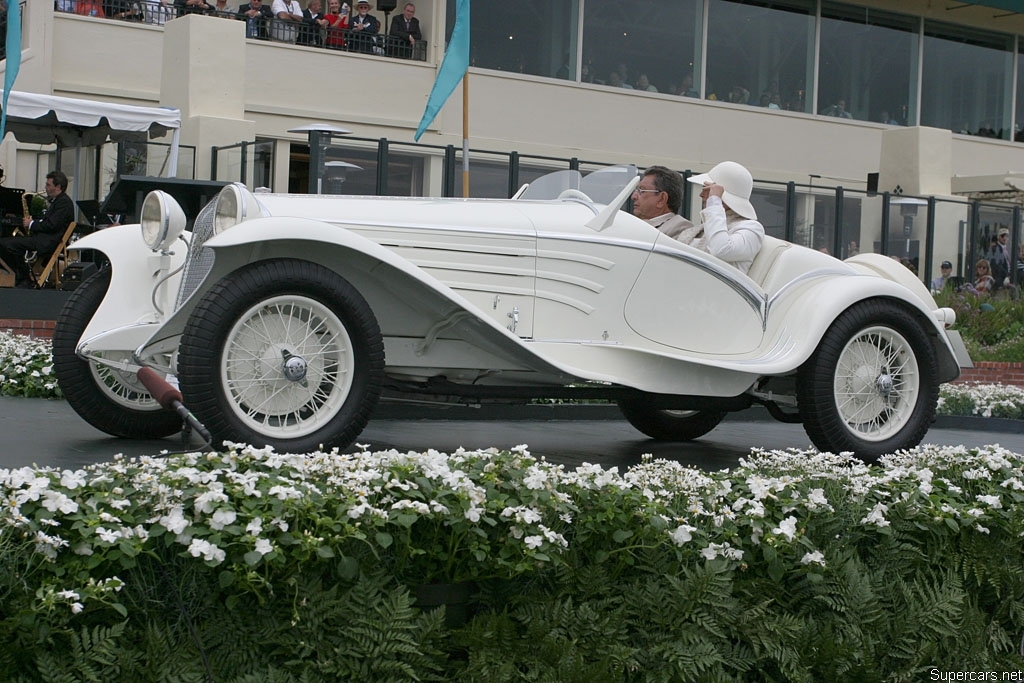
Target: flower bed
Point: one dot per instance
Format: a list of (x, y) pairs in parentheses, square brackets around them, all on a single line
[(251, 565)]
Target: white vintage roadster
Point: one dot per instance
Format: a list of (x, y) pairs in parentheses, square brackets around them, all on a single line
[(284, 320)]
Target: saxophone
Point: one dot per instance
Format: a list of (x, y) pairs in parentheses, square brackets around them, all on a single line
[(18, 232)]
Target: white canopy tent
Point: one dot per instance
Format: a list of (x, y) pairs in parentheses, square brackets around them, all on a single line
[(69, 122), (74, 123)]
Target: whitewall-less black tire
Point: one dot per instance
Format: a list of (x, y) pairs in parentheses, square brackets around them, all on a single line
[(283, 353)]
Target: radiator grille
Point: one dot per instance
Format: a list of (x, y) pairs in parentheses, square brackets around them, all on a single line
[(200, 259)]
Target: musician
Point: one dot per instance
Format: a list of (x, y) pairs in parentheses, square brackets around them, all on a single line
[(43, 235)]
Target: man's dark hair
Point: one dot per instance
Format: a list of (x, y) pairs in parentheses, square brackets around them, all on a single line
[(59, 179), (670, 182)]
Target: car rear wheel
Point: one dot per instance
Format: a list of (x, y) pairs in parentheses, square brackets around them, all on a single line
[(111, 400), (669, 425), (871, 387), (282, 353)]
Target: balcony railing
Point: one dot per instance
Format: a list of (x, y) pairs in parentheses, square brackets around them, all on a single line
[(159, 12)]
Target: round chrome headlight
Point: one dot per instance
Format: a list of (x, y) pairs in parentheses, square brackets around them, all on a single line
[(234, 204), (162, 220)]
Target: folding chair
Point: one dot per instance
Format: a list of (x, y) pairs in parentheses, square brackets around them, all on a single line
[(53, 267)]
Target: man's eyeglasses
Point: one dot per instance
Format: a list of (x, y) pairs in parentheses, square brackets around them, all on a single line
[(640, 190)]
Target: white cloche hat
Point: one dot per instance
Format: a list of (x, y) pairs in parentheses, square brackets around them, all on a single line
[(737, 183)]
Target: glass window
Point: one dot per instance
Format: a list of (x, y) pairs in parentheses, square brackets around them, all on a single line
[(537, 37), (967, 80), (761, 52), (867, 65), (646, 44), (1018, 128)]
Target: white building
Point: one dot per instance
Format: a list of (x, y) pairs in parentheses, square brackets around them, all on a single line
[(824, 94)]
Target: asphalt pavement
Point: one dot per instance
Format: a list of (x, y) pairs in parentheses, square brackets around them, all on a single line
[(49, 433)]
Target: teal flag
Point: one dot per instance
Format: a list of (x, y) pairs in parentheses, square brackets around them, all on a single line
[(453, 67), (13, 57)]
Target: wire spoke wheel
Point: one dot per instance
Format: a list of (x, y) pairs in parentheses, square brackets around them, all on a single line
[(871, 387), (877, 383), (287, 365), (284, 353)]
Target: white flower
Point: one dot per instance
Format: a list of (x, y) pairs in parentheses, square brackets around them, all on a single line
[(533, 542), (108, 535), (816, 557), (994, 501), (263, 546), (682, 534), (877, 516), (174, 521), (209, 551), (223, 517), (77, 607), (787, 528), (254, 527)]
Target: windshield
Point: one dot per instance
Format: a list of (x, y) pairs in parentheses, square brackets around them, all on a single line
[(601, 186)]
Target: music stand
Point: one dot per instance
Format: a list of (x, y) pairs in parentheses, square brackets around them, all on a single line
[(90, 208)]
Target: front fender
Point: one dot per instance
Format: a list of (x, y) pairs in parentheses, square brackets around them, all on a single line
[(141, 290)]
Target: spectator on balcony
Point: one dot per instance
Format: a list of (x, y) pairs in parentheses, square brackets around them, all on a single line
[(192, 7), (257, 17), (314, 24), (363, 29), (221, 9), (90, 8), (337, 24), (59, 5), (643, 83), (287, 20), (405, 29), (125, 10)]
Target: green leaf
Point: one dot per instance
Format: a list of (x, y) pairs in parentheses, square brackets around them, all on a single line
[(325, 552), (226, 579), (384, 539), (621, 535)]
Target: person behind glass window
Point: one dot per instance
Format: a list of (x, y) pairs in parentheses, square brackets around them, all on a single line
[(939, 283), (731, 230), (405, 29), (42, 234), (657, 200), (363, 29), (983, 283), (59, 5), (257, 17), (999, 257), (337, 24), (644, 83)]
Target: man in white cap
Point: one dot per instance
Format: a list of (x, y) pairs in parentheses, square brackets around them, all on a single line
[(731, 230)]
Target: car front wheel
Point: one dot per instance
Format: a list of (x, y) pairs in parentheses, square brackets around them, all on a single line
[(111, 400), (283, 353), (871, 386)]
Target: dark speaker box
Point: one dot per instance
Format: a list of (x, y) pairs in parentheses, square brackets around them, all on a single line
[(872, 184), (387, 5), (76, 273)]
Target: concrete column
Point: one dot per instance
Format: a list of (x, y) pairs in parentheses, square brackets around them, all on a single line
[(917, 159), (203, 76)]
